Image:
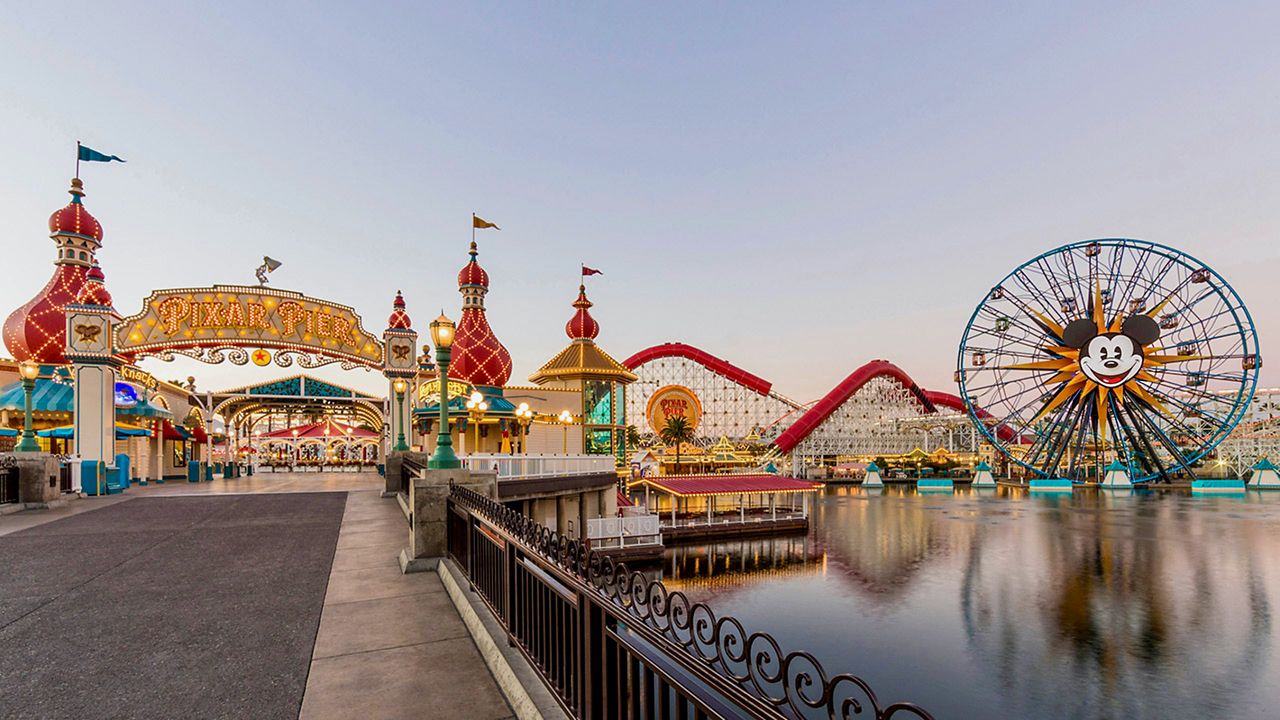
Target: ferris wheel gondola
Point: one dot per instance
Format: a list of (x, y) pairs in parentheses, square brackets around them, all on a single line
[(1108, 350)]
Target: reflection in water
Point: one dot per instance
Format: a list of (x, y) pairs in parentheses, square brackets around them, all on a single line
[(997, 604)]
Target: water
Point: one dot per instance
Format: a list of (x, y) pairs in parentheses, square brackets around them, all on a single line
[(995, 604)]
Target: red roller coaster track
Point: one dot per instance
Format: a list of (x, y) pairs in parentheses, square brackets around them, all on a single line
[(930, 400)]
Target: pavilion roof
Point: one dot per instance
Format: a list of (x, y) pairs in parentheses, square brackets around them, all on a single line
[(696, 485), (583, 359), (324, 428)]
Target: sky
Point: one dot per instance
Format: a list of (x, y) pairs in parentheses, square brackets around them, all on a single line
[(795, 187)]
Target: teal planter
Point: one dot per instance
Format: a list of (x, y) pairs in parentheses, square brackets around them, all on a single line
[(1051, 485)]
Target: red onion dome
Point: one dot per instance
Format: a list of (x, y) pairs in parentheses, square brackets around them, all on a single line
[(74, 218), (582, 325), (399, 319), (473, 274), (94, 290), (478, 356), (38, 330)]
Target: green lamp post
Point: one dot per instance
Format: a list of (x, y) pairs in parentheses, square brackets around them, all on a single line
[(28, 370), (442, 335), (400, 386)]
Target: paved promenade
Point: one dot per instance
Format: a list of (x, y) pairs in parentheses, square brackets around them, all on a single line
[(254, 597)]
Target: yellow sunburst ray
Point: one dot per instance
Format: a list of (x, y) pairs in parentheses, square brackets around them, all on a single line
[(1054, 364), (1147, 397), (1102, 414), (1055, 327), (1063, 375), (1067, 391), (1099, 315), (1156, 310)]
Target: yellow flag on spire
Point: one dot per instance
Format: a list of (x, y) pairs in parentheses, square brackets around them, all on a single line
[(480, 223)]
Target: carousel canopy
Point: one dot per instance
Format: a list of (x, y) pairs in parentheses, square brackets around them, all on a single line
[(324, 428)]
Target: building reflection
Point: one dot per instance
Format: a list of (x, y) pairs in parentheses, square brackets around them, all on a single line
[(1150, 609)]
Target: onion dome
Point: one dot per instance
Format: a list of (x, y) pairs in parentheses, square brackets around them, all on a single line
[(94, 290), (473, 274), (583, 359), (582, 325), (74, 219), (38, 330), (478, 357), (399, 319)]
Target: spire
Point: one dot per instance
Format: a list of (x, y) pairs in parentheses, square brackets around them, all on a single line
[(582, 326), (399, 319)]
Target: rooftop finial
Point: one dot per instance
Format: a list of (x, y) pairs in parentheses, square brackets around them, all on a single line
[(77, 190)]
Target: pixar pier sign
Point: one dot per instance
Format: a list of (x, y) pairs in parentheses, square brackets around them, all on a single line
[(245, 316)]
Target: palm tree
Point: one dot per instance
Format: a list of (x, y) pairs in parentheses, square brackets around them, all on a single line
[(676, 431), (632, 437)]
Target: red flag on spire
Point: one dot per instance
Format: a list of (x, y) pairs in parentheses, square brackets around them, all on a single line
[(588, 271)]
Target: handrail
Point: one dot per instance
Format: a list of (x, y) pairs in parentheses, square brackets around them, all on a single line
[(522, 467), (627, 641)]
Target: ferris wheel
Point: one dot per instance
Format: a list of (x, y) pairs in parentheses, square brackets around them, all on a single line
[(1108, 350)]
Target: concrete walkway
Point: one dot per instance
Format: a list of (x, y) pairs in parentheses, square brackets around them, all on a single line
[(391, 645), (388, 645)]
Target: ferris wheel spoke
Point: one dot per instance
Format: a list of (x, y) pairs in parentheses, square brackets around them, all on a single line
[(1169, 445)]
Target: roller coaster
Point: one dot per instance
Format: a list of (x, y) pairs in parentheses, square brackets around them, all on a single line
[(877, 409)]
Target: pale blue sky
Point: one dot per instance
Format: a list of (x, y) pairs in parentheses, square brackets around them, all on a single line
[(797, 187)]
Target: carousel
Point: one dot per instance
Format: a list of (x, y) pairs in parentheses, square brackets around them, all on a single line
[(320, 446)]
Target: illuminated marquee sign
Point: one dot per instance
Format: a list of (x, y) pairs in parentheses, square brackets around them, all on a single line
[(429, 391), (673, 401), (141, 378), (205, 323)]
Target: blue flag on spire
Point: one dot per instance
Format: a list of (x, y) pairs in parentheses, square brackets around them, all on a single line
[(88, 154)]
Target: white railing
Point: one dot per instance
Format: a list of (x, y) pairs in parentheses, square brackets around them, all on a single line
[(628, 531), (521, 467), (731, 519)]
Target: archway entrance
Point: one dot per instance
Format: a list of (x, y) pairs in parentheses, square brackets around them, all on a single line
[(242, 325)]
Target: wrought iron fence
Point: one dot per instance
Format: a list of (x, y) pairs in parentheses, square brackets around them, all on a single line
[(611, 643)]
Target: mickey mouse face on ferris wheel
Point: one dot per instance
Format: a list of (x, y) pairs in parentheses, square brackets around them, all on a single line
[(1111, 359)]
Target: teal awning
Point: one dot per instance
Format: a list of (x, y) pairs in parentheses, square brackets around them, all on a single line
[(144, 409), (48, 396), (6, 432), (67, 432)]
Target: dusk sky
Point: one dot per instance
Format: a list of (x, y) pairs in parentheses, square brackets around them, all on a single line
[(797, 188)]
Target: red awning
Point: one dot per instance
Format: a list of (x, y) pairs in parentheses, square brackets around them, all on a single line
[(623, 500), (685, 485), (174, 432), (200, 435)]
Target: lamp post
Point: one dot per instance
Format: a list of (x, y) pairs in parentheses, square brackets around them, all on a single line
[(476, 408), (28, 369), (566, 419), (524, 416), (400, 385), (442, 335)]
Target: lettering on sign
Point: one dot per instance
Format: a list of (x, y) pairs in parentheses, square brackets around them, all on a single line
[(246, 316), (673, 401)]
